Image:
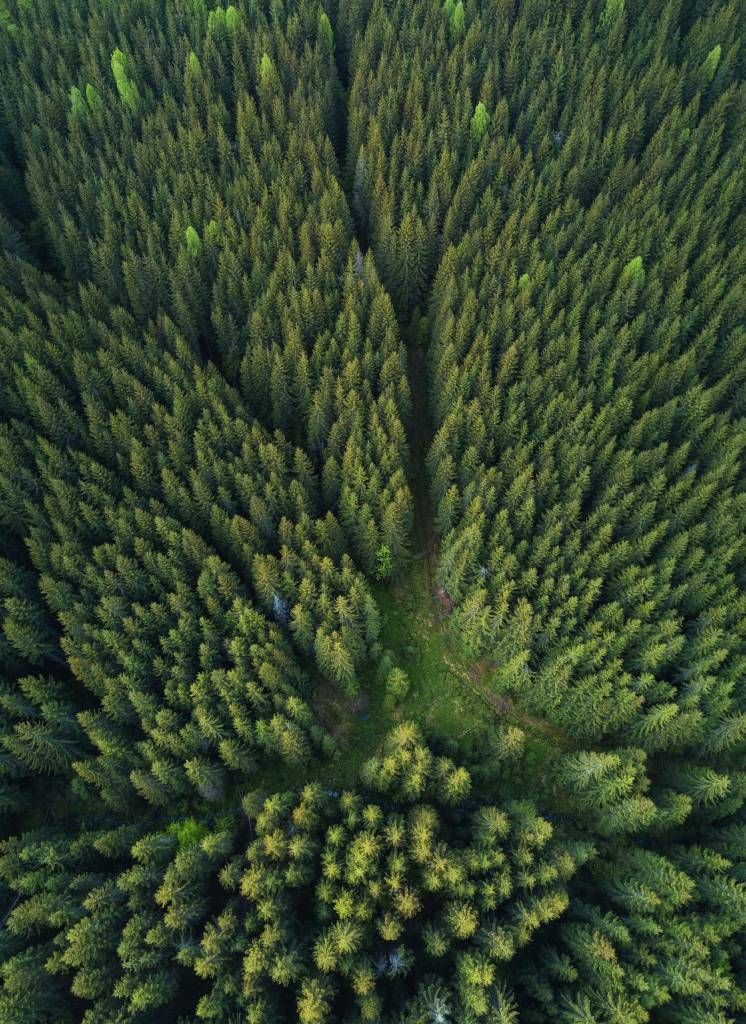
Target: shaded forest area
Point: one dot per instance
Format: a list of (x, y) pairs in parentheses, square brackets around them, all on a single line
[(373, 516)]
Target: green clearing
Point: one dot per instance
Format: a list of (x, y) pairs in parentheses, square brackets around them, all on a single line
[(449, 698), (416, 637)]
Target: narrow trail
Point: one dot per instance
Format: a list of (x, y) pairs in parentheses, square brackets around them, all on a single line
[(420, 438), (503, 708)]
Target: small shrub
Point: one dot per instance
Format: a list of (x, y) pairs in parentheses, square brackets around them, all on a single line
[(187, 833), (384, 562), (397, 686)]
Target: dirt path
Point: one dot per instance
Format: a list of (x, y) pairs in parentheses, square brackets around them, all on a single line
[(503, 708)]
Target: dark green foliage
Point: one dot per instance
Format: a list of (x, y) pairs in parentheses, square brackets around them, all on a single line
[(221, 227)]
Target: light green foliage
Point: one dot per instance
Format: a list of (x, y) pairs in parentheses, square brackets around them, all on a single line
[(221, 19), (77, 103), (509, 742), (613, 10), (216, 19), (633, 271), (711, 62), (458, 18), (193, 242), (6, 21), (126, 88), (266, 69), (384, 562), (232, 18), (118, 67), (479, 122), (193, 65), (93, 100), (188, 832), (397, 686), (326, 32)]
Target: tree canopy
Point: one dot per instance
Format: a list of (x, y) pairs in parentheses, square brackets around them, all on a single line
[(299, 300)]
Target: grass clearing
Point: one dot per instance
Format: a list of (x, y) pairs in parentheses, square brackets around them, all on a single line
[(449, 697)]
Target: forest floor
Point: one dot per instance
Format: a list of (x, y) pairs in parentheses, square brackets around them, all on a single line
[(450, 697)]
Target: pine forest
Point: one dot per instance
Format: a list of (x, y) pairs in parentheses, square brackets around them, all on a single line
[(373, 512)]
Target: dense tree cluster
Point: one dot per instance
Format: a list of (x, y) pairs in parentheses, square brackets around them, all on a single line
[(325, 897), (358, 901), (221, 227)]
